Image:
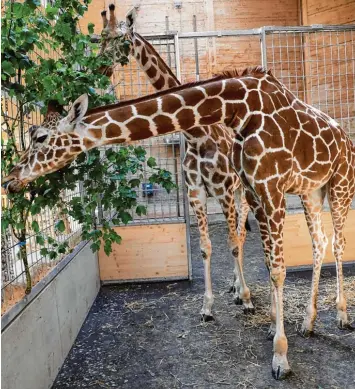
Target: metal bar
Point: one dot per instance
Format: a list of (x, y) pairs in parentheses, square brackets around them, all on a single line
[(218, 34), (197, 63), (177, 56), (313, 28), (263, 48)]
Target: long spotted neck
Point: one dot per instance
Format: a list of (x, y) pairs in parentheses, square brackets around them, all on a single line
[(179, 109), (158, 72)]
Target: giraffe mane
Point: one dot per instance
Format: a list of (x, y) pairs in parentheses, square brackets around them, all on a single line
[(249, 71)]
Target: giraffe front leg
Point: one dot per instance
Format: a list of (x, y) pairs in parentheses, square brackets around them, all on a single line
[(313, 205), (197, 197), (280, 366), (274, 213)]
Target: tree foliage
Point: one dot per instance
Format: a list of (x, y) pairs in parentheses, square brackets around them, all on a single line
[(45, 57)]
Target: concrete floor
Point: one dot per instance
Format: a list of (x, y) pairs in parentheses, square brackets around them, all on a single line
[(150, 336)]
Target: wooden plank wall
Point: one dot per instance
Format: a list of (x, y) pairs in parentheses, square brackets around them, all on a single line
[(328, 12), (147, 252), (215, 54), (297, 241)]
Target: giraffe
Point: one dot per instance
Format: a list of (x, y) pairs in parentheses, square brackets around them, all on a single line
[(282, 145), (203, 177)]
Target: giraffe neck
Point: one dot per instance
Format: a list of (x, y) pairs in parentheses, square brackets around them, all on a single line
[(178, 109), (158, 72)]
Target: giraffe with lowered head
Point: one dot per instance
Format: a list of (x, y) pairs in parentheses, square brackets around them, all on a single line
[(206, 164), (283, 145)]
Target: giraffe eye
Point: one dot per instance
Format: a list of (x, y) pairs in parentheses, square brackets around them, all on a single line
[(41, 139)]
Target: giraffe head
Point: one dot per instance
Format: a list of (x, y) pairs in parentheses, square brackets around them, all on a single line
[(115, 40), (53, 144)]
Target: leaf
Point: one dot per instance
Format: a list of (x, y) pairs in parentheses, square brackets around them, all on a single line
[(8, 67), (35, 226), (60, 226), (95, 247), (141, 210), (91, 28), (135, 182), (4, 224), (44, 251), (40, 240), (151, 162), (125, 217), (53, 254)]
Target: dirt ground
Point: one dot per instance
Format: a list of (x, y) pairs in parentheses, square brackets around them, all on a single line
[(150, 335)]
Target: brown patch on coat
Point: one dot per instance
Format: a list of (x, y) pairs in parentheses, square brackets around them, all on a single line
[(147, 108), (164, 124), (159, 83), (112, 131), (171, 104), (140, 129), (186, 118), (95, 133), (151, 72)]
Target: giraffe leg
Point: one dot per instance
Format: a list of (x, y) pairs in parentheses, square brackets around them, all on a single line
[(313, 205), (197, 198), (275, 219), (339, 201), (261, 218), (235, 243), (242, 292)]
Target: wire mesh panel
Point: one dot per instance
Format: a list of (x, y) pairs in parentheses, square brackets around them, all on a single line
[(130, 82), (318, 65), (202, 57), (13, 278)]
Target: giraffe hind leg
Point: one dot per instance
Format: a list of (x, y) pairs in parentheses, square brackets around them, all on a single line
[(313, 205), (197, 198), (339, 200), (236, 238)]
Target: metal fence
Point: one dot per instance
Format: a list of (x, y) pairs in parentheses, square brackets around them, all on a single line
[(316, 63), (13, 274)]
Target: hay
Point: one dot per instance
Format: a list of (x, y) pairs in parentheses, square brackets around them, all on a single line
[(296, 297)]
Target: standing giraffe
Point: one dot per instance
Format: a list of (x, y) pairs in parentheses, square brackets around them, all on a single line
[(206, 164), (283, 145)]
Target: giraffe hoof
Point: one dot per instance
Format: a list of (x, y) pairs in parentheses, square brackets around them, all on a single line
[(249, 310), (238, 301), (206, 318), (270, 334), (306, 333), (345, 325), (280, 374)]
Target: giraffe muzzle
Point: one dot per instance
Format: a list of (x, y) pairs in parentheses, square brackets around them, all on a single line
[(12, 185)]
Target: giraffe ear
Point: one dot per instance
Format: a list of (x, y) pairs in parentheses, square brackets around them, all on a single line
[(76, 113), (78, 109), (131, 19)]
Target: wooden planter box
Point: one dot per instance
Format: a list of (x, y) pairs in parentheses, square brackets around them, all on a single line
[(148, 252), (298, 245)]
